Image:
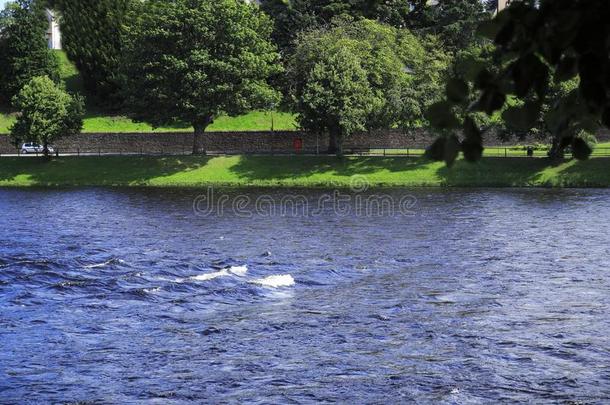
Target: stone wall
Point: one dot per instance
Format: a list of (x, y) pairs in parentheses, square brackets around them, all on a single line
[(224, 142), (238, 142)]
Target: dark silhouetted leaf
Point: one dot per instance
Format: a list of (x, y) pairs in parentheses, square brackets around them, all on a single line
[(489, 29), (446, 148), (505, 34), (490, 101), (580, 149), (473, 151), (594, 94), (566, 70), (484, 79), (522, 118), (457, 90), (472, 131), (436, 151), (452, 149), (441, 115), (528, 72), (565, 142)]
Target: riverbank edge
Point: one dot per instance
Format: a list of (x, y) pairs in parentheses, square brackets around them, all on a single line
[(356, 173)]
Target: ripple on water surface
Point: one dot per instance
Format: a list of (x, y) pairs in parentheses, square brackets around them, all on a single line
[(480, 297)]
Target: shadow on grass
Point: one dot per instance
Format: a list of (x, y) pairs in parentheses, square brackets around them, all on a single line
[(257, 168), (245, 170), (522, 172), (94, 171)]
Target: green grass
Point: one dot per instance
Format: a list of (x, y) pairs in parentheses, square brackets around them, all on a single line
[(98, 121), (305, 171), (495, 151), (254, 121)]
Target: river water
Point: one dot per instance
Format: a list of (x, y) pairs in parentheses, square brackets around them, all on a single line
[(159, 296)]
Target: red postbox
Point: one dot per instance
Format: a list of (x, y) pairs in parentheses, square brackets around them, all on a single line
[(297, 144)]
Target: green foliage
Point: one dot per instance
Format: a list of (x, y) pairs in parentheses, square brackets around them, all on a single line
[(454, 21), (192, 60), (6, 14), (552, 55), (93, 35), (426, 83), (24, 51), (337, 96), (384, 64), (46, 113)]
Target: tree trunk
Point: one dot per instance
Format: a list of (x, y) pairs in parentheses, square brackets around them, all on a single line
[(555, 152), (45, 149), (199, 130), (335, 143)]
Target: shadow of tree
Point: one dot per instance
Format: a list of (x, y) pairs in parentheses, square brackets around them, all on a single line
[(97, 171), (257, 168), (246, 170), (521, 172)]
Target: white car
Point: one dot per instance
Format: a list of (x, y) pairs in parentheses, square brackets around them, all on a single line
[(34, 148)]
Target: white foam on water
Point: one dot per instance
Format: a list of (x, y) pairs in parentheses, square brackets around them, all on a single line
[(276, 281), (104, 264), (239, 270), (152, 290), (210, 276)]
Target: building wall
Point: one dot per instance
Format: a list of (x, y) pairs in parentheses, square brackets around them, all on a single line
[(53, 32), (502, 4)]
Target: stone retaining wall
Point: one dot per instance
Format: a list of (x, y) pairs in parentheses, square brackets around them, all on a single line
[(237, 142)]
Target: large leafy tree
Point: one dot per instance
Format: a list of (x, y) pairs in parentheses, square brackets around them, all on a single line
[(6, 14), (92, 36), (46, 113), (453, 21), (191, 60), (292, 17), (539, 45), (24, 51), (381, 61)]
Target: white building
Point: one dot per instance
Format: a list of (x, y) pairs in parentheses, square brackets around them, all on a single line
[(53, 32), (502, 4)]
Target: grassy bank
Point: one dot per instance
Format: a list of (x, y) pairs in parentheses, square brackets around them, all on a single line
[(100, 121), (299, 172)]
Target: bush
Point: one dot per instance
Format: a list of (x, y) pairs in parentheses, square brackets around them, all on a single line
[(46, 113)]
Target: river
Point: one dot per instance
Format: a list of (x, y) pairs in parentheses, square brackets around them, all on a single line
[(258, 296)]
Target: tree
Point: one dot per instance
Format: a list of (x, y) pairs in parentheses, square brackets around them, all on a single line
[(191, 60), (6, 15), (92, 36), (325, 59), (455, 22), (538, 42), (336, 97), (291, 17), (24, 50), (46, 113), (426, 86)]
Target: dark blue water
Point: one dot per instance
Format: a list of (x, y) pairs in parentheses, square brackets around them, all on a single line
[(480, 296)]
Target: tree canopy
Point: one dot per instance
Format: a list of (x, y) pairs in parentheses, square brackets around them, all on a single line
[(24, 51), (92, 36), (538, 44), (46, 113), (356, 75), (453, 21), (191, 60)]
